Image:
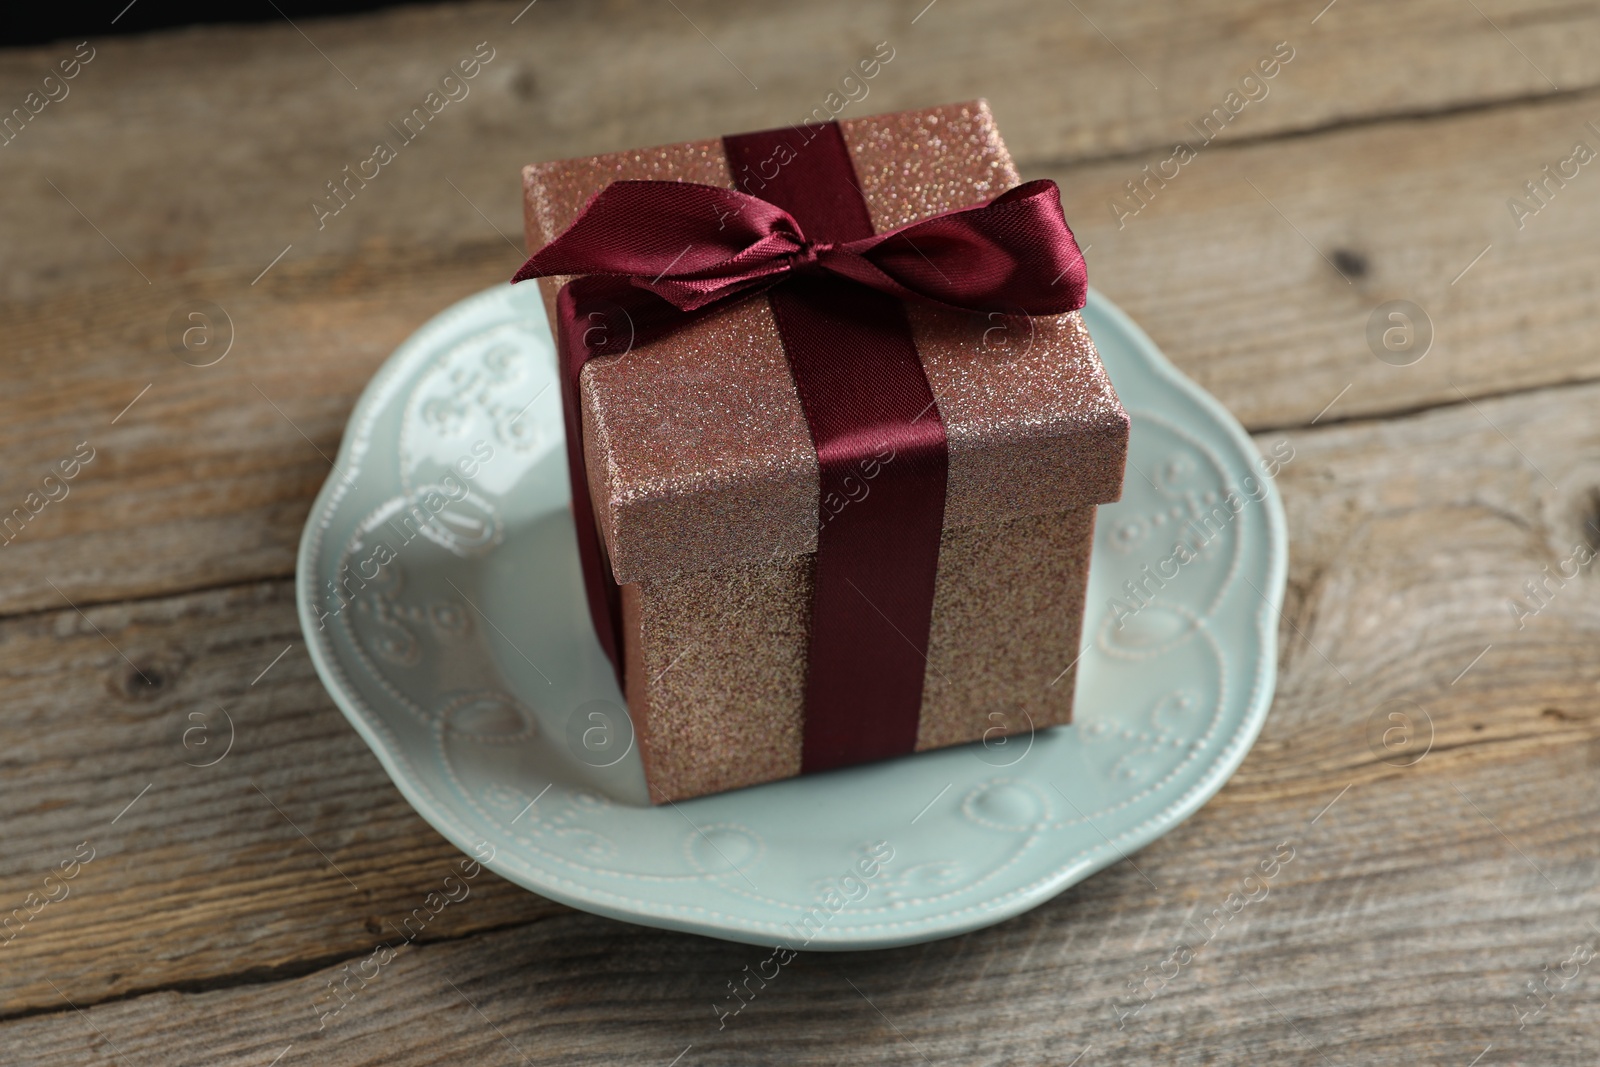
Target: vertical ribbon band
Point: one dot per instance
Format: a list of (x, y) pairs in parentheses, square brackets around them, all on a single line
[(882, 455)]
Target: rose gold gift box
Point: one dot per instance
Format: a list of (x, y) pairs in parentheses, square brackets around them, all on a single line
[(705, 483)]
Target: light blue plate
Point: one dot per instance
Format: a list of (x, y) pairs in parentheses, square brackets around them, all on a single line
[(460, 648)]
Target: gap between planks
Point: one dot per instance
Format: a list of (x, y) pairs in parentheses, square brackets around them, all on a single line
[(1529, 101), (271, 974)]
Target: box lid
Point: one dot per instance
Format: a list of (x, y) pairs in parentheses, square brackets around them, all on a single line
[(697, 450)]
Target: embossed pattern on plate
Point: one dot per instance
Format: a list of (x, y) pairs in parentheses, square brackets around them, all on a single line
[(439, 592)]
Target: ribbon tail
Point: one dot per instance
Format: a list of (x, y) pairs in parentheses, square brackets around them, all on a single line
[(601, 589), (601, 316)]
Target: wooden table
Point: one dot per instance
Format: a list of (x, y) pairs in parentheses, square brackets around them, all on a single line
[(1443, 860)]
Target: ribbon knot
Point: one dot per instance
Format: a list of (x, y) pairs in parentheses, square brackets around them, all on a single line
[(807, 260)]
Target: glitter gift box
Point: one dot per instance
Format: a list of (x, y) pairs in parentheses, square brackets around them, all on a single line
[(705, 482)]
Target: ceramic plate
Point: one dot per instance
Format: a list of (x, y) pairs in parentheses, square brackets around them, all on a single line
[(439, 591)]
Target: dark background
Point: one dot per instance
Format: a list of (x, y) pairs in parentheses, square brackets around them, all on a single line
[(41, 23)]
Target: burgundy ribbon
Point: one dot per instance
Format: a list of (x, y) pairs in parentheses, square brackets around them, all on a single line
[(694, 245), (666, 253)]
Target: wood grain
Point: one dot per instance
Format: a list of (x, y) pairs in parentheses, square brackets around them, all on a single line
[(291, 847), (207, 479), (1433, 876), (1404, 927), (1404, 900), (219, 137), (1259, 267)]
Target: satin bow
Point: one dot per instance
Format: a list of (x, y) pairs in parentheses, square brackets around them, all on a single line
[(696, 245)]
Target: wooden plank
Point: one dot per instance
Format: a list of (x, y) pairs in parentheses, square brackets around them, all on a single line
[(207, 478), (203, 148), (290, 847), (1402, 927), (1404, 901), (1262, 269)]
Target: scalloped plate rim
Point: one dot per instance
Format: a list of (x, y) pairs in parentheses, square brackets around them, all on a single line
[(1233, 753)]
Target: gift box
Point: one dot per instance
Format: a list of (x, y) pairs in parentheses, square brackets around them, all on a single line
[(784, 588)]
